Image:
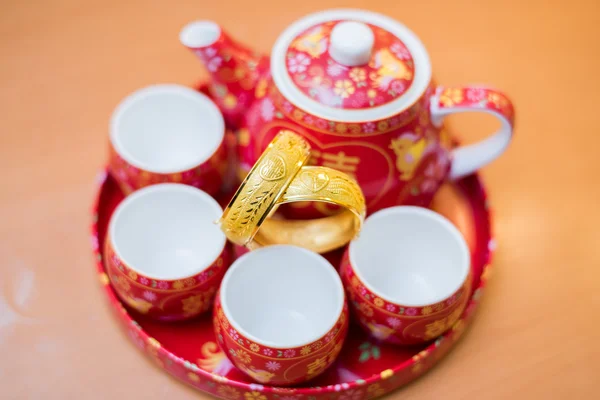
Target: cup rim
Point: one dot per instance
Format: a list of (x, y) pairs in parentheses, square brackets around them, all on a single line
[(149, 191), (444, 223), (160, 89), (319, 258)]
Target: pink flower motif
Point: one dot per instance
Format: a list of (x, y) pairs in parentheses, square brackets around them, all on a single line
[(267, 109), (428, 185), (335, 69), (379, 100), (309, 120), (393, 322), (298, 63), (400, 51), (363, 290), (411, 311), (202, 277), (394, 120), (390, 307), (398, 86), (116, 260), (267, 352), (144, 280), (253, 117), (163, 285), (150, 296), (289, 353), (272, 365), (210, 58), (359, 100), (287, 107), (210, 52), (437, 170), (321, 124), (214, 63), (475, 94), (233, 333), (329, 337), (369, 127)]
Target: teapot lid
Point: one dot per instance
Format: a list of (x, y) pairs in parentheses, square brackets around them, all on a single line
[(350, 65)]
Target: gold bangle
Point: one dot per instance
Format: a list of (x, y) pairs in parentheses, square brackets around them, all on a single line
[(321, 235), (265, 184)]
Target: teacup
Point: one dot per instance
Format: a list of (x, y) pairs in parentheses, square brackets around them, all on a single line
[(407, 275), (168, 133), (281, 315), (164, 255)]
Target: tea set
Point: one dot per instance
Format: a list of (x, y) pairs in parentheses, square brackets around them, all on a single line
[(339, 146)]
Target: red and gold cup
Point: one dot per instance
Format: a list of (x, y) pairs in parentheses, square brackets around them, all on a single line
[(164, 255), (281, 315), (407, 275), (168, 133)]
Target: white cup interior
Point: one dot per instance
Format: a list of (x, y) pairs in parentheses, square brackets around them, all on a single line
[(167, 231), (166, 128), (282, 296), (410, 256)]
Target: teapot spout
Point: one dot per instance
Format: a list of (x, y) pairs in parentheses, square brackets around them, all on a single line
[(234, 69)]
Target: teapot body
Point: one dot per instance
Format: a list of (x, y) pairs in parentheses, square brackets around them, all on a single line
[(358, 86), (401, 160)]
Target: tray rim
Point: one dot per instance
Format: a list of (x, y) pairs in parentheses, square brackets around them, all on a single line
[(425, 359)]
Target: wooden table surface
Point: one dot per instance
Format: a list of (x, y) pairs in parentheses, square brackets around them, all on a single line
[(66, 63)]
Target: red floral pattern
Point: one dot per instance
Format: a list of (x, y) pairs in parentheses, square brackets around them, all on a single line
[(387, 76), (396, 323), (189, 351), (166, 300), (358, 129), (207, 176), (476, 98), (278, 366)]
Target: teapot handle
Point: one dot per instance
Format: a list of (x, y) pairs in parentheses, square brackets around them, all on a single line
[(469, 158)]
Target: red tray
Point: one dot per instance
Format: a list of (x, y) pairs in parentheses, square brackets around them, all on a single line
[(365, 368)]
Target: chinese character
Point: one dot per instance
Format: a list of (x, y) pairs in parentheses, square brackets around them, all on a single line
[(435, 328), (341, 162), (316, 367)]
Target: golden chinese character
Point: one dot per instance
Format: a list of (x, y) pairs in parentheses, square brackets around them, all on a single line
[(316, 367), (435, 328)]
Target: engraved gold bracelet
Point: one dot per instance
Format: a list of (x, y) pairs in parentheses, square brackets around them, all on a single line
[(257, 196), (278, 177)]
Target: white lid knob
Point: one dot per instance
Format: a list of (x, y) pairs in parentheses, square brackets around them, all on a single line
[(351, 43)]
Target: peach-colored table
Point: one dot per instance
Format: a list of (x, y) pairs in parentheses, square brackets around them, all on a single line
[(66, 63)]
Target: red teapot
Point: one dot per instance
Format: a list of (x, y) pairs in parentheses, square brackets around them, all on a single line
[(358, 86)]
